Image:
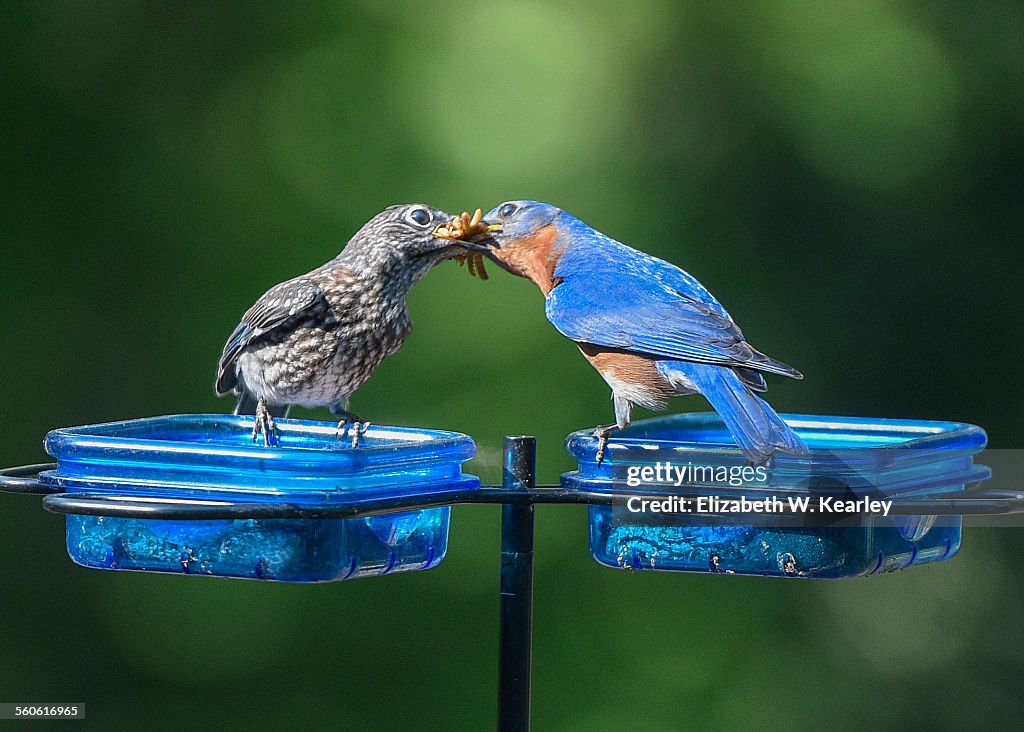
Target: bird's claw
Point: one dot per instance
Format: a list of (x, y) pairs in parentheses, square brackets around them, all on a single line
[(264, 423), (601, 433), (358, 432), (359, 429)]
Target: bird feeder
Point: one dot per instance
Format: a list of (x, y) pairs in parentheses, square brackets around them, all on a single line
[(211, 458), (853, 465), (192, 494)]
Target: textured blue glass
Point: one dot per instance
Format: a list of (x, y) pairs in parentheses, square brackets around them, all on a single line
[(213, 457), (878, 457)]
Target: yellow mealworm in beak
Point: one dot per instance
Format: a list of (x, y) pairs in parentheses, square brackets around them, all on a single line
[(463, 227), (480, 271)]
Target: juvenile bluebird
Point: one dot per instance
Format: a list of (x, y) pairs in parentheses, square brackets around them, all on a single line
[(650, 329), (313, 340)]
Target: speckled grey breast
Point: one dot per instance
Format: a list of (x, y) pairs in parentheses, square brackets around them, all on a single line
[(331, 349)]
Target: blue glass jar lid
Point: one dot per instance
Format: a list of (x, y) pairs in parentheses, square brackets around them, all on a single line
[(208, 455), (902, 455)]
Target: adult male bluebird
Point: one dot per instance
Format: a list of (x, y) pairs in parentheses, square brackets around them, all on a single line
[(313, 340), (650, 329)]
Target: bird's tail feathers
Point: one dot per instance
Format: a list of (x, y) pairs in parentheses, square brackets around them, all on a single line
[(757, 428), (226, 382), (761, 362)]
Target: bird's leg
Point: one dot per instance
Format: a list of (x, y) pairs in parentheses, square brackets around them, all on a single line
[(264, 423), (601, 433), (347, 418), (360, 430), (623, 409)]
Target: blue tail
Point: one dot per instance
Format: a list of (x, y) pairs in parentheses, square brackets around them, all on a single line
[(758, 430)]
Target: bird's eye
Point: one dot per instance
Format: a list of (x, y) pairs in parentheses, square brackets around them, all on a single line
[(420, 215), (507, 210)]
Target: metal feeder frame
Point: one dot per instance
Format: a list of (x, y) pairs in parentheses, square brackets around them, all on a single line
[(517, 495)]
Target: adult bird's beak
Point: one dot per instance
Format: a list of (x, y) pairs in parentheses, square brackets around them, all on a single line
[(469, 232)]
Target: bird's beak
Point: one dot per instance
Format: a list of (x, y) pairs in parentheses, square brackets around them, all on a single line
[(469, 232)]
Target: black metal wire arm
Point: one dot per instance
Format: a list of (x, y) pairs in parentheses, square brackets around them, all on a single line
[(24, 479)]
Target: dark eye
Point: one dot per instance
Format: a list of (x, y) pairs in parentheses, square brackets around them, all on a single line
[(507, 210), (420, 215)]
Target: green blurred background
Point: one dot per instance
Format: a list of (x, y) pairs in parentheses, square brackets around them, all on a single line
[(845, 177)]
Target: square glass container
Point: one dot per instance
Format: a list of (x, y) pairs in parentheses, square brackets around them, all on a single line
[(850, 458), (213, 457)]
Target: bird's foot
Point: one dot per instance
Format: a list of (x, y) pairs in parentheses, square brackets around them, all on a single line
[(601, 433), (264, 424), (359, 427), (358, 432)]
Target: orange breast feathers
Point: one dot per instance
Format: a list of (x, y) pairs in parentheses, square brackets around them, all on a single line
[(533, 257), (631, 372)]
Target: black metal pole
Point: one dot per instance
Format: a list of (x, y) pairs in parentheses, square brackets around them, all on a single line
[(516, 625)]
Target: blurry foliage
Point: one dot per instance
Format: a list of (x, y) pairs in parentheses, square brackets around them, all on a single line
[(844, 176)]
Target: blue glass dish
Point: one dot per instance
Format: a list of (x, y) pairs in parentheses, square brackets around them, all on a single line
[(849, 456), (213, 457)]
